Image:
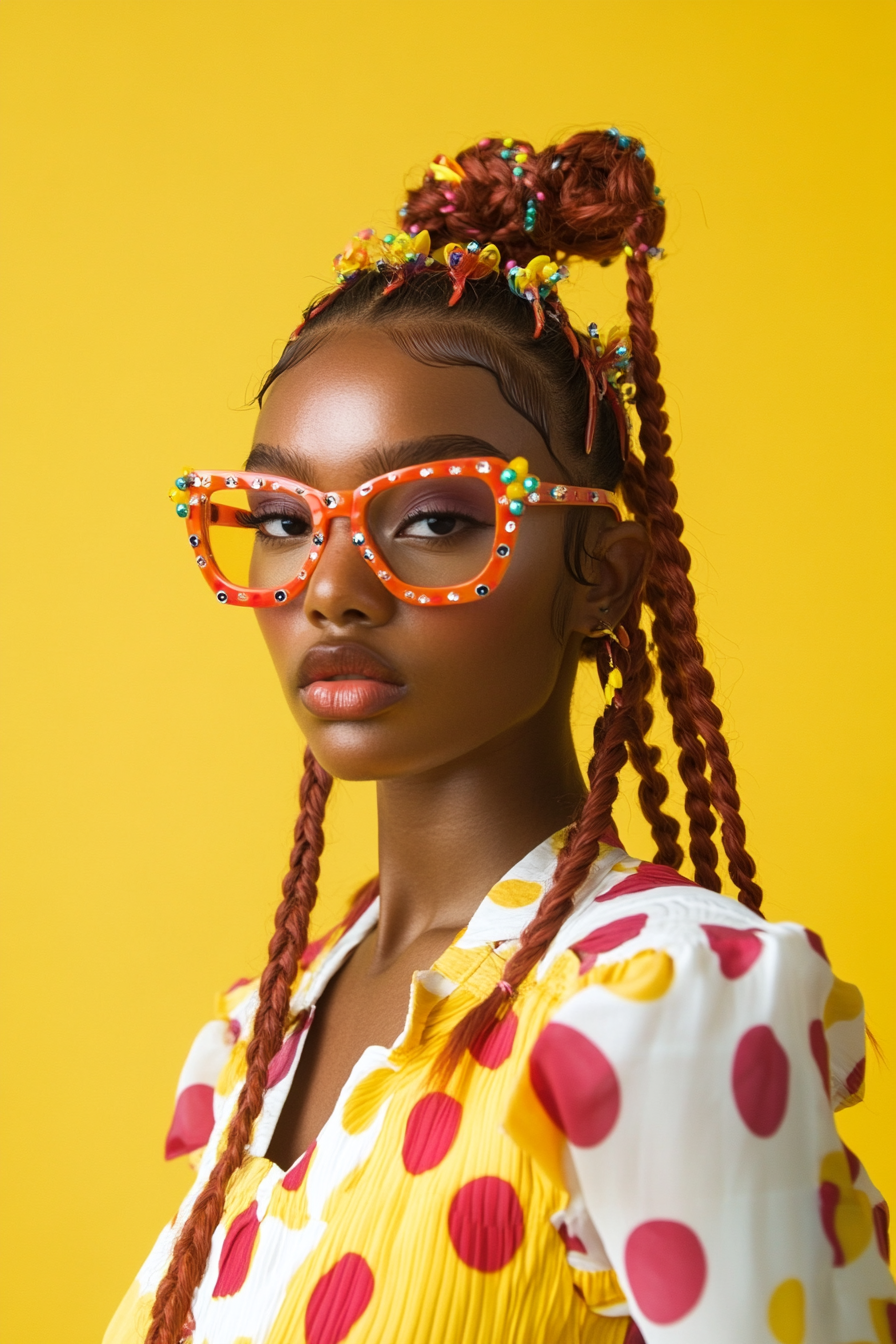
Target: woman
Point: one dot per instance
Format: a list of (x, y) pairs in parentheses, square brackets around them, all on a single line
[(606, 1114)]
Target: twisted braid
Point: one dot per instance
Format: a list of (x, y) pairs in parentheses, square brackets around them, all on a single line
[(687, 682), (188, 1261)]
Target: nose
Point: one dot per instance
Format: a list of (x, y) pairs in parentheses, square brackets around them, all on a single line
[(343, 591)]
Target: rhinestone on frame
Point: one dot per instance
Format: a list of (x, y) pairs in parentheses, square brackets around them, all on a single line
[(303, 573), (423, 598), (510, 527), (392, 476), (201, 561), (426, 471), (482, 590), (281, 595), (455, 471), (368, 554), (221, 595), (257, 482), (503, 550), (331, 501), (454, 597), (534, 497), (365, 489), (383, 574), (559, 492), (408, 593), (242, 597), (312, 555), (358, 538), (231, 482), (194, 540), (318, 538), (483, 467)]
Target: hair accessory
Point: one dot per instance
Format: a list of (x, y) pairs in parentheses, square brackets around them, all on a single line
[(537, 281), (515, 154), (445, 169), (472, 262), (506, 988)]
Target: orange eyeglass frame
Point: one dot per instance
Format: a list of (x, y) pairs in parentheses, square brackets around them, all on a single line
[(511, 500)]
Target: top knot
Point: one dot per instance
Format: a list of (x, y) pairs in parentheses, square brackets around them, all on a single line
[(592, 196)]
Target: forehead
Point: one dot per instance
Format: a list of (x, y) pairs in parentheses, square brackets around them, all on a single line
[(358, 394)]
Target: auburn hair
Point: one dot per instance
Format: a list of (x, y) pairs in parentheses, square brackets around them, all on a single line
[(593, 197)]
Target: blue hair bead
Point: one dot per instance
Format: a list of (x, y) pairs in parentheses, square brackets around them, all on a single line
[(640, 152), (506, 154), (613, 131), (517, 172), (624, 142)]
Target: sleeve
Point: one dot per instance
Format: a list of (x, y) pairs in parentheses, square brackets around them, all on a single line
[(197, 1099), (684, 1096)]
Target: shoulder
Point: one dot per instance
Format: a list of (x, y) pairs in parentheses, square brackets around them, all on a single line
[(642, 933)]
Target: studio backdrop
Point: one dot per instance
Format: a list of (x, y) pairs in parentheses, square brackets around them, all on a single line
[(178, 177)]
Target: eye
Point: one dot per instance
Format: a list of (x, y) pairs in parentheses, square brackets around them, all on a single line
[(435, 525), (277, 526)]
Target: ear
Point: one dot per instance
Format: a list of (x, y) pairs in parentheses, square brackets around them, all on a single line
[(617, 566)]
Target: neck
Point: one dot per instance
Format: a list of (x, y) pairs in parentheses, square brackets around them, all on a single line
[(446, 837)]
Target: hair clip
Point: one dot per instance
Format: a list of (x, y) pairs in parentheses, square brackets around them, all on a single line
[(472, 262), (445, 169), (537, 281)]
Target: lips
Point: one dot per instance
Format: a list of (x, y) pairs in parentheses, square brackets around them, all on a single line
[(347, 681)]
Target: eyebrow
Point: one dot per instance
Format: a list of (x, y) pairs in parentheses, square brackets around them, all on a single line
[(407, 453)]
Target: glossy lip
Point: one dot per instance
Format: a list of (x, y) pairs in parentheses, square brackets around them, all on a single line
[(347, 681)]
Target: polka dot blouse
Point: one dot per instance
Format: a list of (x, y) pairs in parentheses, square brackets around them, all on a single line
[(644, 1150)]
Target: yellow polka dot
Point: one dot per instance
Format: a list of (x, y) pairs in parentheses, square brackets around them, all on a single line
[(234, 1070), (844, 1003), (878, 1308), (853, 1218), (647, 975), (513, 893), (787, 1312), (531, 1128), (365, 1101)]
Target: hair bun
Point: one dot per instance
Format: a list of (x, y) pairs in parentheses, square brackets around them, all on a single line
[(587, 197)]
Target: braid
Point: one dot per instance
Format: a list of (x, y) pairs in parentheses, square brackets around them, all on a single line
[(686, 681), (190, 1256), (653, 790)]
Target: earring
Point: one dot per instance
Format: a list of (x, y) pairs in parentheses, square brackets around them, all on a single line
[(613, 684)]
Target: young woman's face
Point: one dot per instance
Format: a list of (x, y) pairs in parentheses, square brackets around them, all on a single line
[(380, 688)]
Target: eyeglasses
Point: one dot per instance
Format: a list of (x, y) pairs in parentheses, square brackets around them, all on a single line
[(434, 534)]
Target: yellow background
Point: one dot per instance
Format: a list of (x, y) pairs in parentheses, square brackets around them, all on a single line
[(178, 175)]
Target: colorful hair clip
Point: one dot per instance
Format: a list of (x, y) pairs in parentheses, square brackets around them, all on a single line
[(535, 282), (472, 262), (445, 169)]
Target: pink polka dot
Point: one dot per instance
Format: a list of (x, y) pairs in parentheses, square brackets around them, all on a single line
[(297, 1172), (236, 1253), (760, 1078), (430, 1131), (570, 1241), (648, 876), (666, 1268), (339, 1299), (856, 1077), (828, 1199), (575, 1083), (485, 1223), (736, 949), (493, 1048), (233, 1031), (193, 1122), (818, 1044), (238, 984), (281, 1064), (606, 939), (881, 1215), (816, 944)]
